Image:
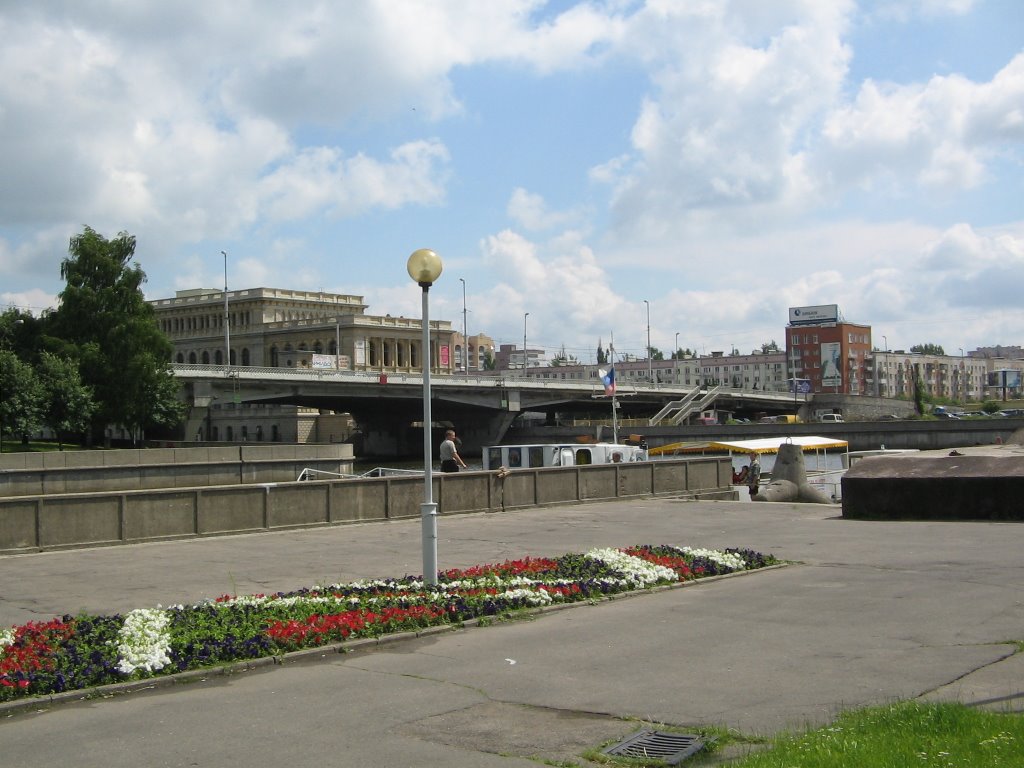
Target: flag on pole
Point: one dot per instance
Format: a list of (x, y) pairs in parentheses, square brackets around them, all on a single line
[(608, 379)]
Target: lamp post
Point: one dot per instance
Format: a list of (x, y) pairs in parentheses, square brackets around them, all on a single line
[(465, 333), (525, 315), (424, 266), (227, 317), (650, 364)]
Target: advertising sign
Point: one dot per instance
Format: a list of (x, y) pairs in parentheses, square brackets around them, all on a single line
[(825, 313), (444, 356), (800, 386), (322, 361), (360, 351), (831, 364)]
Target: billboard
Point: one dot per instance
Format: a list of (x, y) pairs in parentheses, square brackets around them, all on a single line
[(824, 313), (800, 386), (831, 364)]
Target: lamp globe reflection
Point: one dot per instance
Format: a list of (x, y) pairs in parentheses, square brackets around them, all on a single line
[(424, 267)]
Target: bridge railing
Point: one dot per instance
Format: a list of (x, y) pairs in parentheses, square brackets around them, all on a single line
[(456, 380)]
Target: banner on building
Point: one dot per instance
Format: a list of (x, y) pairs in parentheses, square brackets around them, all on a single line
[(831, 364), (360, 352), (825, 313)]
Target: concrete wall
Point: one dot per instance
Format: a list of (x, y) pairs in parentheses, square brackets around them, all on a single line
[(55, 472), (56, 521), (958, 487)]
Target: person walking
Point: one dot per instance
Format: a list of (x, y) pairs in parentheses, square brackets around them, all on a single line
[(450, 459)]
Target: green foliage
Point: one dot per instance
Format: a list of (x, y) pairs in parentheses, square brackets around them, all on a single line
[(990, 406), (21, 405), (106, 325), (602, 356), (563, 358), (655, 353), (67, 404), (919, 396), (928, 349), (489, 362), (902, 734)]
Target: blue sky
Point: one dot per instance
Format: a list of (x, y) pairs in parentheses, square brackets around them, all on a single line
[(721, 161)]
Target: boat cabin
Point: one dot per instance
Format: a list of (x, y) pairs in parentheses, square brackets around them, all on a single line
[(560, 455)]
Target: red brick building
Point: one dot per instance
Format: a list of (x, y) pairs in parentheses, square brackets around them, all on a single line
[(825, 353)]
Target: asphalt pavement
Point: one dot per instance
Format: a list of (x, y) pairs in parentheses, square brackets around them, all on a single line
[(866, 613)]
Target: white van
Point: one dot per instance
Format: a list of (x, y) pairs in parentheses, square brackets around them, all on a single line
[(831, 418)]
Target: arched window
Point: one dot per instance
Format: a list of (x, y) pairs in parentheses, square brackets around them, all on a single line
[(191, 358), (218, 358), (332, 348), (414, 355), (206, 357), (273, 357), (245, 356), (318, 347), (230, 433)]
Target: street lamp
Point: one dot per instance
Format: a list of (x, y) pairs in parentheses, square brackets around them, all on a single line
[(227, 317), (465, 333), (675, 352), (424, 267), (650, 364), (526, 315)]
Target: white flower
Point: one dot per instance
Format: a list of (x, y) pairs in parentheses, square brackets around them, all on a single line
[(636, 571), (728, 559), (143, 641), (6, 638)]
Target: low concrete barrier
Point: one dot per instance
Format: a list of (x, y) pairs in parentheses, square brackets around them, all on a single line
[(58, 521), (55, 472), (954, 487)]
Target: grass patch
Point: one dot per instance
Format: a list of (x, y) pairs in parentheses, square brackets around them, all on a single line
[(902, 735)]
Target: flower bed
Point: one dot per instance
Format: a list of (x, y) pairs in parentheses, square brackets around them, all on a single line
[(78, 652)]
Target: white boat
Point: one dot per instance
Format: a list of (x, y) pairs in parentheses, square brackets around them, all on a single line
[(560, 455)]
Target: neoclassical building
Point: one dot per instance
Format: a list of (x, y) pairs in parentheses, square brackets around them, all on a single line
[(274, 327)]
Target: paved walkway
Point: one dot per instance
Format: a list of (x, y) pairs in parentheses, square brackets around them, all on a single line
[(871, 612)]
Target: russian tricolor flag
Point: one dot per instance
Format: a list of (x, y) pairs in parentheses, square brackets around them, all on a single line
[(608, 379)]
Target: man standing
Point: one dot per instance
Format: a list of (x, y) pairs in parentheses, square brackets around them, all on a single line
[(450, 459), (754, 475)]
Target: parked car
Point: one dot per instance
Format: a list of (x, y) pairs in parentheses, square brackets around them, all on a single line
[(1009, 412), (945, 415), (831, 418)]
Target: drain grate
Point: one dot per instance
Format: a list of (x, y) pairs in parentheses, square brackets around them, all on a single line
[(672, 748)]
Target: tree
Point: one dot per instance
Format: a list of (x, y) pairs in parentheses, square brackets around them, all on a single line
[(602, 356), (563, 358), (67, 404), (681, 354), (21, 404), (928, 349), (105, 324), (489, 363), (655, 354), (770, 346)]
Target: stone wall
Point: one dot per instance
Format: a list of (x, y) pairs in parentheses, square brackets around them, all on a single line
[(57, 521)]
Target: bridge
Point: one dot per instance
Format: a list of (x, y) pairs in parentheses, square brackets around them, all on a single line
[(389, 407)]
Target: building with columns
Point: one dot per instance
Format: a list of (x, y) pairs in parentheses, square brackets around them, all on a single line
[(273, 327)]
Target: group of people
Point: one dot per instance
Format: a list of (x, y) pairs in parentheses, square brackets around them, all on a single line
[(750, 475)]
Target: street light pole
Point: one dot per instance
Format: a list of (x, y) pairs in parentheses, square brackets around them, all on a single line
[(227, 317), (424, 266), (650, 364), (465, 332), (526, 315), (962, 373)]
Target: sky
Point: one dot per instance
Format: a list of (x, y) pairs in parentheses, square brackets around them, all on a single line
[(674, 169)]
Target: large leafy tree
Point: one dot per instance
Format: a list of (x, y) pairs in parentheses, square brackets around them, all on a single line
[(106, 325), (67, 404), (928, 348), (21, 398)]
